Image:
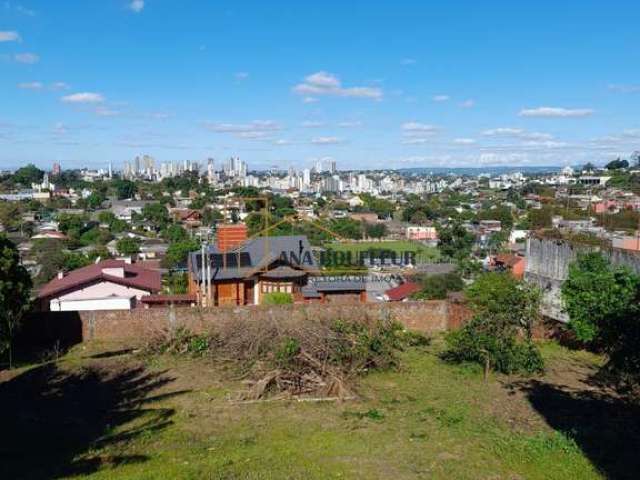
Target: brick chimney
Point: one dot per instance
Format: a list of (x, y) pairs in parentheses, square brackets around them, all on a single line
[(230, 236)]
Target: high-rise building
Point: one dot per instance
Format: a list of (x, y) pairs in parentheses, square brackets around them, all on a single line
[(56, 170)]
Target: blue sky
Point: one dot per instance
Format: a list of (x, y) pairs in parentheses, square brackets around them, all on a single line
[(371, 84)]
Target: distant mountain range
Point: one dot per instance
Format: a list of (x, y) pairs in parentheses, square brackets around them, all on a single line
[(475, 171)]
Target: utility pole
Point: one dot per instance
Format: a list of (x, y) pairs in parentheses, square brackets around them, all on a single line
[(203, 288)]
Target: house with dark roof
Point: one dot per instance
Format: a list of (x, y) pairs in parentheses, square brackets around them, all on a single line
[(240, 271), (105, 285)]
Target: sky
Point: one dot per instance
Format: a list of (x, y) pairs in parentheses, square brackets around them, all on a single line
[(371, 84)]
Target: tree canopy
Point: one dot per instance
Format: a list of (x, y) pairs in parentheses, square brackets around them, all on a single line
[(15, 288)]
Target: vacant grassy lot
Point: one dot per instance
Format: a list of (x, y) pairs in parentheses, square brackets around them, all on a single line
[(103, 413), (423, 253)]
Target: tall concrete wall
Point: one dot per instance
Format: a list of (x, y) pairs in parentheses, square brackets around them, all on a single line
[(141, 324), (548, 267)]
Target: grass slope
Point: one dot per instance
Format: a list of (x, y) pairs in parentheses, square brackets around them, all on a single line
[(429, 420)]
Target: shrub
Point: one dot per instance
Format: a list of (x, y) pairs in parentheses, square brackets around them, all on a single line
[(277, 298), (506, 354), (319, 357), (437, 286), (501, 330)]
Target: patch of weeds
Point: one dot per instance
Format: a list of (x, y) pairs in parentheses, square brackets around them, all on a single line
[(247, 441), (418, 436), (199, 345), (535, 446), (371, 414), (398, 400), (446, 418)]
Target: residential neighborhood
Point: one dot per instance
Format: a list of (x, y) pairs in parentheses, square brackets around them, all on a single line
[(319, 240)]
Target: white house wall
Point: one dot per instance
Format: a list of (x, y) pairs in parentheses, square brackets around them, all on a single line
[(104, 290)]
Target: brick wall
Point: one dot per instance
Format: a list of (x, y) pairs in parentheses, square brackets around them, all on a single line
[(73, 327)]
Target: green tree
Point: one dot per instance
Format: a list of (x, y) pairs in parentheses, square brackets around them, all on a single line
[(128, 246), (177, 252), (210, 216), (174, 233), (540, 218), (455, 241), (500, 333), (10, 215), (603, 303), (68, 222), (27, 175), (501, 213), (436, 287), (49, 254), (73, 261), (15, 288), (595, 291), (157, 214), (617, 164), (106, 217), (124, 189), (376, 230), (94, 201)]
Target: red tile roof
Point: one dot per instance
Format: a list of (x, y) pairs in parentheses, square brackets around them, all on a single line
[(402, 291), (508, 259), (135, 277)]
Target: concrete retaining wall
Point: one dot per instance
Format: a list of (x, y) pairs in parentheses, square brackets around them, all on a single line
[(548, 267)]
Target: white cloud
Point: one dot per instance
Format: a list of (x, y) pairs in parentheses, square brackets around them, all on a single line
[(324, 83), (28, 58), (419, 127), (501, 158), (440, 98), (520, 133), (30, 85), (18, 9), (309, 100), (464, 141), (282, 142), (83, 97), (468, 103), (416, 133), (255, 130), (136, 6), (555, 112), (160, 115), (354, 124), (326, 140), (106, 112), (59, 128), (9, 36), (625, 88), (408, 61), (323, 79), (59, 86), (311, 124)]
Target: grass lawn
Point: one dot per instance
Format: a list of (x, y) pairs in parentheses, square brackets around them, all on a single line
[(423, 253), (103, 413)]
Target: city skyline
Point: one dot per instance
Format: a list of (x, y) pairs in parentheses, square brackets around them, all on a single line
[(365, 86)]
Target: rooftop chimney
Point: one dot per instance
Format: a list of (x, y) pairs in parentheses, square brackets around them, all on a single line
[(231, 236)]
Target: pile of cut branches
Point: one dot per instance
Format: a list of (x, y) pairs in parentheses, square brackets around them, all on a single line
[(283, 359)]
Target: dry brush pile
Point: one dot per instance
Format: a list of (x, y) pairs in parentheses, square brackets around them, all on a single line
[(280, 359)]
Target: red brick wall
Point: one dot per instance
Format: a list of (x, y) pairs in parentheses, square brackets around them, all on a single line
[(429, 317), (230, 236)]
